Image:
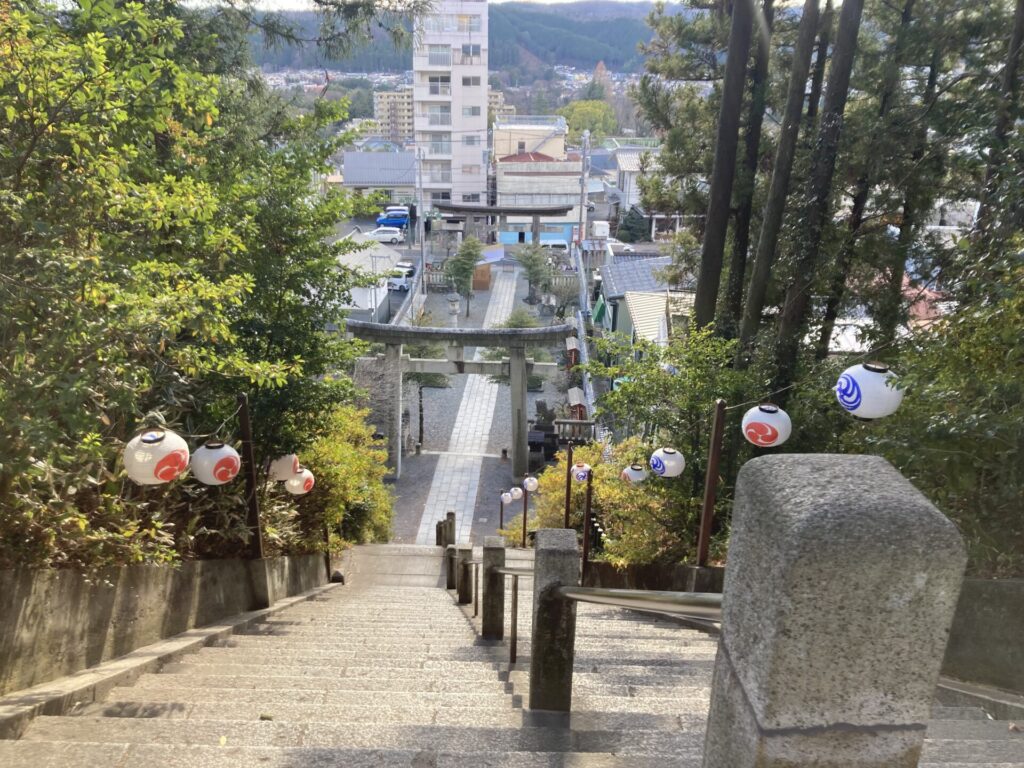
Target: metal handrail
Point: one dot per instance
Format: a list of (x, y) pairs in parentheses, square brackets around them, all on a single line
[(515, 573), (703, 606)]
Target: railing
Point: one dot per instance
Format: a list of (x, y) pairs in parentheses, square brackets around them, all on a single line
[(700, 606), (443, 119), (513, 632), (576, 430), (439, 59), (438, 177), (440, 90), (439, 149)]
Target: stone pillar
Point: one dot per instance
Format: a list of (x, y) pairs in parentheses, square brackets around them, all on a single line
[(449, 526), (535, 230), (839, 593), (465, 573), (556, 564), (450, 581), (493, 611), (517, 381), (393, 380)]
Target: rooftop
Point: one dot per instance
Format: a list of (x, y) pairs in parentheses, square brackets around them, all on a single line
[(530, 121), (379, 169), (633, 275), (527, 157), (629, 160), (651, 313)]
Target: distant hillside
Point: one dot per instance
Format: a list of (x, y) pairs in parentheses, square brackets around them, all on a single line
[(521, 34)]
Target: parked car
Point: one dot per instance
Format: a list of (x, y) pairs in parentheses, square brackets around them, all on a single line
[(394, 216), (401, 276), (392, 235)]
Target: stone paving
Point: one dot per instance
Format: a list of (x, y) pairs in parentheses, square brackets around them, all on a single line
[(457, 474)]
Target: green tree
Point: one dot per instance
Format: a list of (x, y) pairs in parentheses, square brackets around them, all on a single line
[(595, 116), (538, 270), (459, 268)]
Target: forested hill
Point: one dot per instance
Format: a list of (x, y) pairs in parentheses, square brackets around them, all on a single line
[(524, 36)]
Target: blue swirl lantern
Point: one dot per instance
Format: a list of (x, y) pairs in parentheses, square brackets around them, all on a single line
[(869, 391), (667, 462), (580, 471)]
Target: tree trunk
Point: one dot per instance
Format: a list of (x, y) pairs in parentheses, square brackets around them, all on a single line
[(794, 310), (779, 189), (818, 76), (729, 322), (844, 259), (888, 315), (720, 197), (1004, 119)]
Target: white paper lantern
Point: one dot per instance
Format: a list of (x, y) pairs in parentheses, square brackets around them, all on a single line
[(531, 484), (667, 462), (869, 391), (285, 467), (580, 471), (634, 473), (516, 492), (506, 498), (155, 456), (300, 483), (215, 463), (766, 425)]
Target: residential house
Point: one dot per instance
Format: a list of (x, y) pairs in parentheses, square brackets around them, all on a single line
[(374, 302), (392, 174)]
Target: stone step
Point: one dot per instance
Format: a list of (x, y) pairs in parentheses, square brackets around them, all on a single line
[(423, 683), (973, 751), (453, 671), (21, 754), (367, 736), (220, 656), (985, 730), (178, 691), (470, 654), (958, 713)]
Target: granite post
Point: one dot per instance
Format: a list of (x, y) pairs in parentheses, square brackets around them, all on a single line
[(556, 564), (450, 580), (450, 533), (840, 589), (493, 619), (465, 573)]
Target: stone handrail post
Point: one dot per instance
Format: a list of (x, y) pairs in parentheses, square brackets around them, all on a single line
[(439, 533), (450, 580), (450, 533), (465, 574), (840, 589), (493, 618), (556, 564)]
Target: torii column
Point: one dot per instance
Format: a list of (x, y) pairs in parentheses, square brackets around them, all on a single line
[(517, 379), (393, 381)]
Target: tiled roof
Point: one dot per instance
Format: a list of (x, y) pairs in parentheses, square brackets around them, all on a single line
[(650, 312), (628, 160), (527, 157), (380, 169), (633, 275)]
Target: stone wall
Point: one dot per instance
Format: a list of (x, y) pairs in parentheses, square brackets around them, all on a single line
[(986, 643), (54, 623), (674, 578)]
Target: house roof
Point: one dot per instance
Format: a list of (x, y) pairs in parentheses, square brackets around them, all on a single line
[(380, 169), (650, 312), (628, 160), (374, 258), (527, 157), (633, 275)]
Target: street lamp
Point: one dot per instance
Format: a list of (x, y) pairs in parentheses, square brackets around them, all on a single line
[(582, 472), (530, 485), (453, 308), (505, 498), (568, 482)]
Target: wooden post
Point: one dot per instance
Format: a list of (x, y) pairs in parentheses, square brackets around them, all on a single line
[(586, 524), (526, 501), (568, 483), (707, 512), (249, 461)]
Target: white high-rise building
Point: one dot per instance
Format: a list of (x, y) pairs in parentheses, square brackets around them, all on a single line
[(450, 101)]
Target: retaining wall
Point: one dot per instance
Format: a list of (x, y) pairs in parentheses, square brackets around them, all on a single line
[(54, 623), (986, 643)]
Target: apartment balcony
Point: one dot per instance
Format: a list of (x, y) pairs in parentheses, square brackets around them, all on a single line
[(439, 149), (437, 177), (433, 92), (439, 60), (435, 121)]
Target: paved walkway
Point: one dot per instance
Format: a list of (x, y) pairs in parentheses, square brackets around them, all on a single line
[(457, 475)]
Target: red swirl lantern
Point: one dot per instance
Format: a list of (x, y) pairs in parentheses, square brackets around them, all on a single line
[(215, 463), (155, 457), (300, 483), (285, 467), (766, 425)]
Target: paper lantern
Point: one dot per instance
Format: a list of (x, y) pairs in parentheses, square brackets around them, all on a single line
[(580, 471), (506, 497), (300, 483), (531, 484), (634, 473), (215, 463), (516, 492), (766, 425), (667, 462), (285, 467), (155, 456), (869, 391)]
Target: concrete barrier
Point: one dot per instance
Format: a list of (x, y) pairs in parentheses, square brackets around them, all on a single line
[(493, 612), (840, 589), (54, 623), (556, 564), (986, 644)]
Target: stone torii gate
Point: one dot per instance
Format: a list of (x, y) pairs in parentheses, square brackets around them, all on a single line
[(517, 367)]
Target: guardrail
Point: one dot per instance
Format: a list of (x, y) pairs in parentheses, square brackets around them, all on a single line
[(513, 632)]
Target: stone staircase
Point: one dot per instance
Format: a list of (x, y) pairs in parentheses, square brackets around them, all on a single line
[(389, 671)]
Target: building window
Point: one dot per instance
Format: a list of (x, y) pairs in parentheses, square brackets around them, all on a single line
[(521, 148), (475, 198), (470, 50), (471, 170), (440, 197), (439, 55), (467, 23), (440, 85), (471, 111), (471, 81), (470, 141)]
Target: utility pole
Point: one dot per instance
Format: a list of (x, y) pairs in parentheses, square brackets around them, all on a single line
[(421, 220), (583, 191)]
